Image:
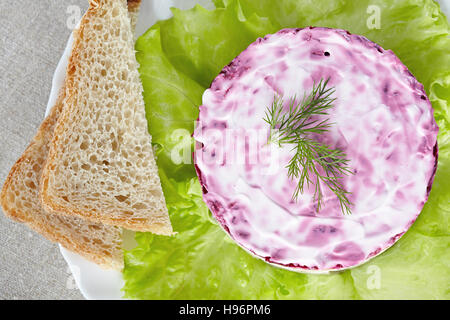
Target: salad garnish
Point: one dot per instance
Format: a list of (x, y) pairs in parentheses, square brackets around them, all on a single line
[(314, 163)]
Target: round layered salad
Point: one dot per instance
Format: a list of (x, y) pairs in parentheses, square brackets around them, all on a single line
[(381, 119)]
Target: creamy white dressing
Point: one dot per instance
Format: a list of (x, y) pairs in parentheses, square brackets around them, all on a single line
[(381, 119)]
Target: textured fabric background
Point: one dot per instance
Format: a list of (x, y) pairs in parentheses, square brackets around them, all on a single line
[(33, 36)]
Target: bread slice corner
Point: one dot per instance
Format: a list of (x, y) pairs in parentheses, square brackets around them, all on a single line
[(20, 202), (100, 164)]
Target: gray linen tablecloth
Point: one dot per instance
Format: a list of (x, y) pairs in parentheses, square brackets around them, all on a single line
[(33, 36)]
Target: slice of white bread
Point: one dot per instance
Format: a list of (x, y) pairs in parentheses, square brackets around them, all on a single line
[(19, 198), (20, 201), (100, 164)]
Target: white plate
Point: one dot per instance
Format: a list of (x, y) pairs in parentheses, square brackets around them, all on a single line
[(94, 282)]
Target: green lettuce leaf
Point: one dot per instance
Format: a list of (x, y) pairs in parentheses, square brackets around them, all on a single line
[(179, 58)]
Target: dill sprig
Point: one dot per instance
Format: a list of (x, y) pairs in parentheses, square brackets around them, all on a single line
[(313, 162)]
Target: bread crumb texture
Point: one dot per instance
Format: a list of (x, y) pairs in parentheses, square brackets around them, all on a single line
[(101, 164), (20, 201), (19, 197)]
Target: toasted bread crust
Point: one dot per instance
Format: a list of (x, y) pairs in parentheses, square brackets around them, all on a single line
[(133, 5), (47, 201), (44, 130), (52, 227), (57, 229)]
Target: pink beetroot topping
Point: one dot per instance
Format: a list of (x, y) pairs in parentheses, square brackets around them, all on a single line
[(382, 119)]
